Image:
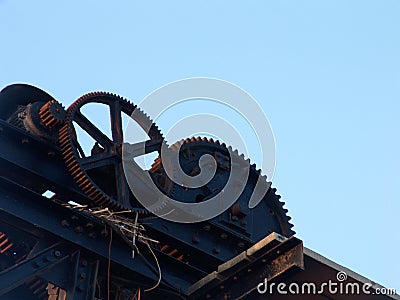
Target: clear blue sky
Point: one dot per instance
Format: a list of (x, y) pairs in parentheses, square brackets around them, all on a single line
[(327, 73)]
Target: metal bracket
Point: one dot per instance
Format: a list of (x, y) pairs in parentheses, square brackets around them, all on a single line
[(43, 261)]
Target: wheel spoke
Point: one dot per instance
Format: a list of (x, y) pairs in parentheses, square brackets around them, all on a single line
[(92, 130), (116, 122), (141, 148)]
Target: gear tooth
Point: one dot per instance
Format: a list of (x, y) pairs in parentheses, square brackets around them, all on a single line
[(217, 142), (198, 139), (211, 140), (223, 145)]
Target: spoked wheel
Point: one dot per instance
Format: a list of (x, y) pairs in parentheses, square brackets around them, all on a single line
[(100, 174)]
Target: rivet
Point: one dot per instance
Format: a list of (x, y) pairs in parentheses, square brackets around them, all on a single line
[(89, 225)]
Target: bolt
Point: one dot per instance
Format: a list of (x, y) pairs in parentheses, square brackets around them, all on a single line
[(104, 232), (82, 275), (92, 235), (24, 141), (224, 236), (221, 287), (73, 217), (57, 253), (243, 223), (235, 278), (240, 244), (216, 250), (234, 218), (80, 288), (208, 296), (84, 263), (207, 227), (51, 153), (78, 229), (195, 239), (249, 270), (65, 223)]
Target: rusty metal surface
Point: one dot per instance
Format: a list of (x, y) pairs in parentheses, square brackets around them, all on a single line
[(238, 277)]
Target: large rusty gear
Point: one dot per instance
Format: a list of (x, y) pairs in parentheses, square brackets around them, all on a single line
[(269, 211), (95, 173)]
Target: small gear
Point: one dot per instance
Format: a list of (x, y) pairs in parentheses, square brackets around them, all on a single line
[(40, 118), (52, 114)]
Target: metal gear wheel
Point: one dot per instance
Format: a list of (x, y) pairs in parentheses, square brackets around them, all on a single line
[(101, 175), (269, 213), (52, 114)]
